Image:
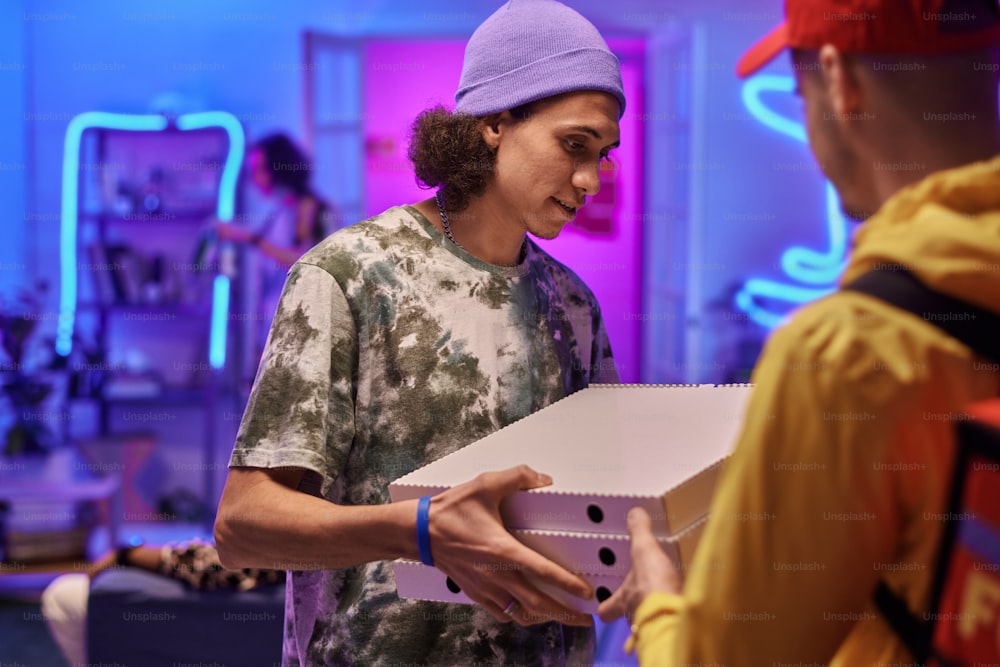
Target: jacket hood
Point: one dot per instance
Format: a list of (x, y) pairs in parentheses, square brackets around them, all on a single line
[(944, 229)]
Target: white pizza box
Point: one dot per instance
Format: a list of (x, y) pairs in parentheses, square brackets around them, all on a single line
[(608, 448), (417, 581), (609, 554), (602, 560)]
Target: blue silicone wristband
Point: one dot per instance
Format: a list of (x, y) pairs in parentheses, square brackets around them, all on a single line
[(424, 530)]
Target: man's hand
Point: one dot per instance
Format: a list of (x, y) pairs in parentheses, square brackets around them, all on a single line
[(470, 544), (652, 571)]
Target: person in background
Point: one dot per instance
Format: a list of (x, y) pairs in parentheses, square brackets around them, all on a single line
[(407, 336), (280, 170), (196, 564), (813, 510)]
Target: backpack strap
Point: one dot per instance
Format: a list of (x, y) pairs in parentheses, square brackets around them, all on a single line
[(977, 328), (915, 633)]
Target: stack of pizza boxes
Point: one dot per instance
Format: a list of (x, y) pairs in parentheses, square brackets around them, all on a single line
[(608, 448)]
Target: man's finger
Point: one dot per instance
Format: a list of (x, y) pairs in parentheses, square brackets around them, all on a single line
[(640, 529), (489, 596), (538, 606), (639, 522), (511, 480), (612, 608), (552, 612), (495, 611), (543, 569)]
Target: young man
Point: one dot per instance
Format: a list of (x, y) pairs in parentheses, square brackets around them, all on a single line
[(839, 478), (410, 335), (281, 171)]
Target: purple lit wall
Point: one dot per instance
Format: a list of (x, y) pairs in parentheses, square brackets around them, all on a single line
[(404, 77)]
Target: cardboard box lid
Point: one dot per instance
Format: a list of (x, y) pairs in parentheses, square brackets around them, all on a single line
[(608, 448)]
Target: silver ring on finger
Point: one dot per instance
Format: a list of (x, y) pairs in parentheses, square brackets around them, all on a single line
[(510, 608)]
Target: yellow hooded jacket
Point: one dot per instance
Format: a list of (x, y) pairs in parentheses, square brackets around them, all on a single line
[(839, 477)]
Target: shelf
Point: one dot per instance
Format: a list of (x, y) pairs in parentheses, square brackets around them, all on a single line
[(55, 477), (200, 309), (141, 217), (12, 568), (192, 170), (168, 396)]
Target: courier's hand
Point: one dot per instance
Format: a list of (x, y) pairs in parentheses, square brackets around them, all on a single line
[(652, 571), (470, 544)]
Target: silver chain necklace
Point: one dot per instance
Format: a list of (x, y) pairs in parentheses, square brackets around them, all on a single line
[(451, 237)]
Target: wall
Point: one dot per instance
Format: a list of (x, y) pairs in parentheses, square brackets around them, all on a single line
[(739, 195), (761, 191), (14, 76)]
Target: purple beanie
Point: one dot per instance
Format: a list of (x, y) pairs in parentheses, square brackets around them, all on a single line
[(531, 49)]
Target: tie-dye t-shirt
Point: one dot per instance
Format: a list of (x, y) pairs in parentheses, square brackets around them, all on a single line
[(390, 348)]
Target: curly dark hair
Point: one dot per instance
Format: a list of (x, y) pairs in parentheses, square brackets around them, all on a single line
[(288, 165), (448, 151)]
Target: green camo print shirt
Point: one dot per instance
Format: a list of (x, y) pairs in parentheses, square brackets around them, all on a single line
[(392, 347)]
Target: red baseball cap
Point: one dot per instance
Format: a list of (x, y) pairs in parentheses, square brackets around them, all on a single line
[(918, 27)]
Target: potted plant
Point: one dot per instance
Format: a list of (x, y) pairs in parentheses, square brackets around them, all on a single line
[(34, 527), (26, 377)]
